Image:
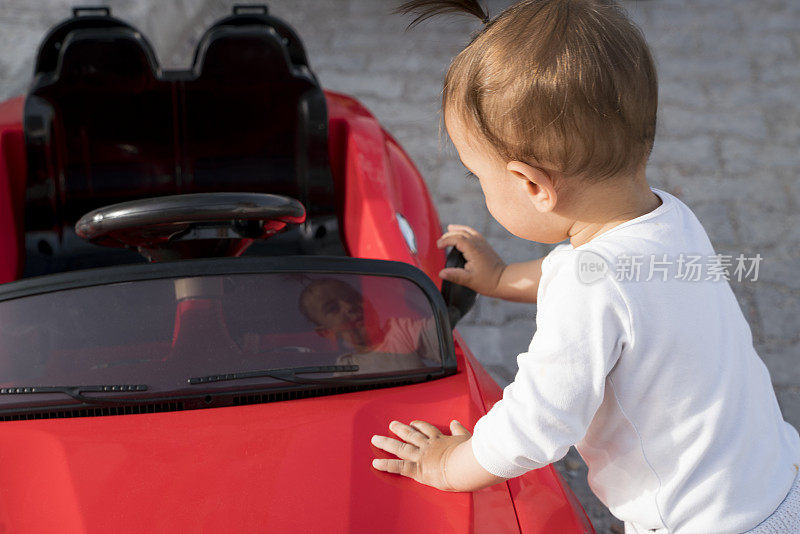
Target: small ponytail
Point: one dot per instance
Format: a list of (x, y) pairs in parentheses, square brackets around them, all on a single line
[(425, 9)]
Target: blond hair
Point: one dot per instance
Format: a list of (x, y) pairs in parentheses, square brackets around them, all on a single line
[(566, 85)]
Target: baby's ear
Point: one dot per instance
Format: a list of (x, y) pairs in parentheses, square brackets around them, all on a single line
[(539, 185)]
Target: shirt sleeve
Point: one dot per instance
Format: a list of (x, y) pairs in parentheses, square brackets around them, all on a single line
[(582, 328)]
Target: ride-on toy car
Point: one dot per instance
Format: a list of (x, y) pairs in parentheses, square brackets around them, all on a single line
[(217, 284)]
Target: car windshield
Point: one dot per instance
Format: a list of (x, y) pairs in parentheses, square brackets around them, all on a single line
[(164, 332)]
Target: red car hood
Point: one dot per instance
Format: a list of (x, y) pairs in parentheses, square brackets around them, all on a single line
[(293, 466)]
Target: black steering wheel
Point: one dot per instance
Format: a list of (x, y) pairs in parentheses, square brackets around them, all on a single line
[(190, 226)]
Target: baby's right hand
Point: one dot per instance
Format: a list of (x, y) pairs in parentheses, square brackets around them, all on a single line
[(484, 267)]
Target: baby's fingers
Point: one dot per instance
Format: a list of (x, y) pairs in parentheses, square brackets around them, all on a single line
[(406, 451), (463, 227), (455, 275), (407, 433), (457, 429), (426, 428), (461, 240), (400, 467)]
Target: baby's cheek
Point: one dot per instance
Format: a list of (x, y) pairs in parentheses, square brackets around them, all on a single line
[(501, 210)]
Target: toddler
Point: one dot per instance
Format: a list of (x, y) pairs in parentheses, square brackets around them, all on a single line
[(642, 361)]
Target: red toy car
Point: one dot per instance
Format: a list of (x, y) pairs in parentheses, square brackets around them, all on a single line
[(217, 285)]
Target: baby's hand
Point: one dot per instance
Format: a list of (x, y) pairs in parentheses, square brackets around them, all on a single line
[(483, 269), (422, 453)]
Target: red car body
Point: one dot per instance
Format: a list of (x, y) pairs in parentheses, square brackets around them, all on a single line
[(293, 466)]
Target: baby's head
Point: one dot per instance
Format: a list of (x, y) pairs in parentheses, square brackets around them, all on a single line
[(558, 89), (336, 309)]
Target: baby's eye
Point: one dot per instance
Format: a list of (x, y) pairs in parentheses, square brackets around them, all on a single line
[(470, 175)]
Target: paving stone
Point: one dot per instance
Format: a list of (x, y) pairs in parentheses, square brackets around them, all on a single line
[(779, 309), (657, 179), (695, 154), (368, 8), (354, 63), (465, 208), (494, 7), (455, 180), (659, 176), (394, 112), (422, 90), (453, 173), (781, 265), (498, 313), (166, 25), (674, 18), (354, 83), (410, 63), (784, 123), (783, 20), (783, 364), (761, 229), (716, 218), (421, 142), (724, 95), (792, 187), (742, 156), (768, 192), (777, 72), (730, 69), (774, 49), (744, 122), (789, 401), (684, 95)]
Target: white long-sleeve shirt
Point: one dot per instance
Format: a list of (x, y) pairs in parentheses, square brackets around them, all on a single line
[(656, 382)]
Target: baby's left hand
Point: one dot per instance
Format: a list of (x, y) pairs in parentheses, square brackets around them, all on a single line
[(423, 451)]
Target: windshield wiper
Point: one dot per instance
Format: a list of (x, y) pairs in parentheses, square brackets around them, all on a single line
[(286, 374), (76, 391)]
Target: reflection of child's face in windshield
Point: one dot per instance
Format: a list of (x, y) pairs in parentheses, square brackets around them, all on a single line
[(337, 309)]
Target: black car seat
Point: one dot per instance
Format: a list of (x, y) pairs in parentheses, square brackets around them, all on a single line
[(104, 124)]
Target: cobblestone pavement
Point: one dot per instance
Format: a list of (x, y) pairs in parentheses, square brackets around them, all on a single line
[(727, 143)]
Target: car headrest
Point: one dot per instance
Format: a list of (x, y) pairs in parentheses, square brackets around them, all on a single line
[(244, 55), (51, 49), (257, 16), (105, 59)]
